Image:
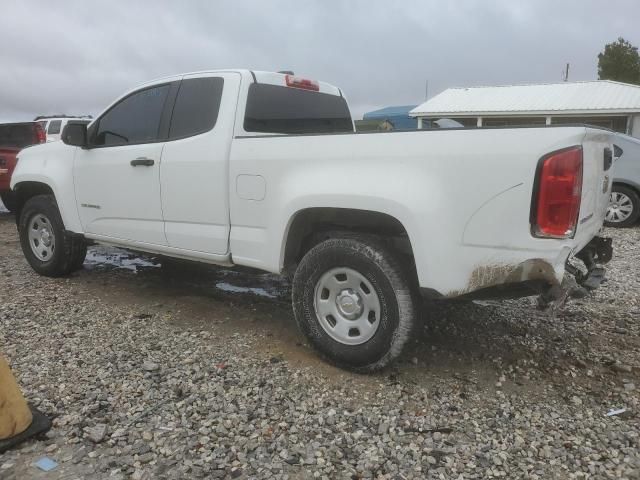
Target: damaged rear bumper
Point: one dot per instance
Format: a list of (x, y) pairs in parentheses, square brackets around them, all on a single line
[(537, 276), (598, 251)]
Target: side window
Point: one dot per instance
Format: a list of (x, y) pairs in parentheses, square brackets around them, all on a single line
[(54, 126), (197, 106), (136, 119)]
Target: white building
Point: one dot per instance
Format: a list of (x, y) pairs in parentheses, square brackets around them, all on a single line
[(603, 103)]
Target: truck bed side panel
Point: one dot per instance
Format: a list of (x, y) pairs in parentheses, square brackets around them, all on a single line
[(464, 197)]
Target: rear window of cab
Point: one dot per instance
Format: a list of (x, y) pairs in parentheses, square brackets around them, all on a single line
[(289, 110)]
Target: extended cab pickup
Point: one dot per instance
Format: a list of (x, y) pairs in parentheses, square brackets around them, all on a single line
[(264, 170)]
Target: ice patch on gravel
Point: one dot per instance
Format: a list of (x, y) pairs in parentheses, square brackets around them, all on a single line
[(229, 281), (227, 287), (118, 258)]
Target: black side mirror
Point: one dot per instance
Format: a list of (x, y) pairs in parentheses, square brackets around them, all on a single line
[(75, 134)]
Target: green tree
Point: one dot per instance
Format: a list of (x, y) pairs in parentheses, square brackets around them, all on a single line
[(619, 61)]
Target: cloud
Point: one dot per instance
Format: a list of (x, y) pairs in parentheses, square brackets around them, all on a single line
[(78, 56)]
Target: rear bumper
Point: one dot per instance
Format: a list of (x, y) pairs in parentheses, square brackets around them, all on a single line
[(5, 180), (6, 170), (598, 252), (536, 276)]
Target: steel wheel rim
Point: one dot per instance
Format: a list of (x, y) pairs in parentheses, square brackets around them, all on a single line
[(620, 208), (42, 240), (347, 306)]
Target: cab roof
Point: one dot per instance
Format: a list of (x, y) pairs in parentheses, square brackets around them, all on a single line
[(270, 78)]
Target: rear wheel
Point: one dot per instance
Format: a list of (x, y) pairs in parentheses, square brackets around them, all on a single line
[(9, 200), (355, 301), (49, 249), (624, 207)]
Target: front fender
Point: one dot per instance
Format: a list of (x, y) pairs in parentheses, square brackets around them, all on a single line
[(51, 164)]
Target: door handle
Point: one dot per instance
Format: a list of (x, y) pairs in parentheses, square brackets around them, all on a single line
[(142, 161)]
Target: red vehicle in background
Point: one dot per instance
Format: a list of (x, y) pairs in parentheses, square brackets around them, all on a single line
[(13, 138)]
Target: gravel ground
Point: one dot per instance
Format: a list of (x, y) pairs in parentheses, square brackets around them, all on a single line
[(182, 371)]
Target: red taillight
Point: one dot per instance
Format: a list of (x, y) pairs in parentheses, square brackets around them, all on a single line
[(559, 190), (41, 137), (304, 83)]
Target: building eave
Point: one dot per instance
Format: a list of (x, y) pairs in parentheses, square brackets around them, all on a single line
[(529, 113)]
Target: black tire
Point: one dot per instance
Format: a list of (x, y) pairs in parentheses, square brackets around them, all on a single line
[(70, 250), (370, 257), (9, 200), (79, 255), (635, 202)]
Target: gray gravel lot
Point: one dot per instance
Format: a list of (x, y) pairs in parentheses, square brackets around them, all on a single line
[(182, 371)]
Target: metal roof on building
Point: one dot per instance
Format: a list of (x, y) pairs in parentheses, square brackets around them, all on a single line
[(594, 97)]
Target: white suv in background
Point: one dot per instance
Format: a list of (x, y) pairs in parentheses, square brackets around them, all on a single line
[(53, 126)]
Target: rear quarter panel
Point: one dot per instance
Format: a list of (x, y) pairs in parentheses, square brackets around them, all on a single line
[(464, 197)]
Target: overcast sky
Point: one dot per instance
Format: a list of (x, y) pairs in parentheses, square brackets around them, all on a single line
[(76, 57)]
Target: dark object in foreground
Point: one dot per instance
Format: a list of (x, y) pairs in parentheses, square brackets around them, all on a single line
[(39, 425), (18, 421)]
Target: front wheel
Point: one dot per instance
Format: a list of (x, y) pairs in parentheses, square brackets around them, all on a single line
[(355, 302), (624, 207), (9, 200), (49, 249)]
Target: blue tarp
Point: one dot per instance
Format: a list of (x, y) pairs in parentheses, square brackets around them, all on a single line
[(397, 115)]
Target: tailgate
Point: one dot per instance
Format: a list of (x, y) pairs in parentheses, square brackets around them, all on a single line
[(7, 164), (597, 179)]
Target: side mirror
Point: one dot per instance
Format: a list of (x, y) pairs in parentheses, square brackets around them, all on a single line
[(75, 134)]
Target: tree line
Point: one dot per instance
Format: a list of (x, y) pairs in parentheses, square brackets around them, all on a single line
[(619, 61)]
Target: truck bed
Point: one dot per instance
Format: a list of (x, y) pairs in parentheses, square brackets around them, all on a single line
[(463, 195)]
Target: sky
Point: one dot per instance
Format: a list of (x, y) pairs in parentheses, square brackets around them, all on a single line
[(76, 57)]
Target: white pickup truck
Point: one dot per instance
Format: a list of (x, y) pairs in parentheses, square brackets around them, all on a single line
[(259, 169)]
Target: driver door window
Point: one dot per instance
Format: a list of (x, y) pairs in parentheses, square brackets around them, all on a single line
[(134, 120), (118, 197)]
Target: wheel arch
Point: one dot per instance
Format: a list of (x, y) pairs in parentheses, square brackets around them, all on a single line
[(626, 183), (309, 226), (29, 189)]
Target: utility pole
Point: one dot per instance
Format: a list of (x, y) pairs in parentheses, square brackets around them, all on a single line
[(426, 90), (566, 73)]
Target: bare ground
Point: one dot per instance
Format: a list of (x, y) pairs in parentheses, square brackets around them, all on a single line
[(490, 372)]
